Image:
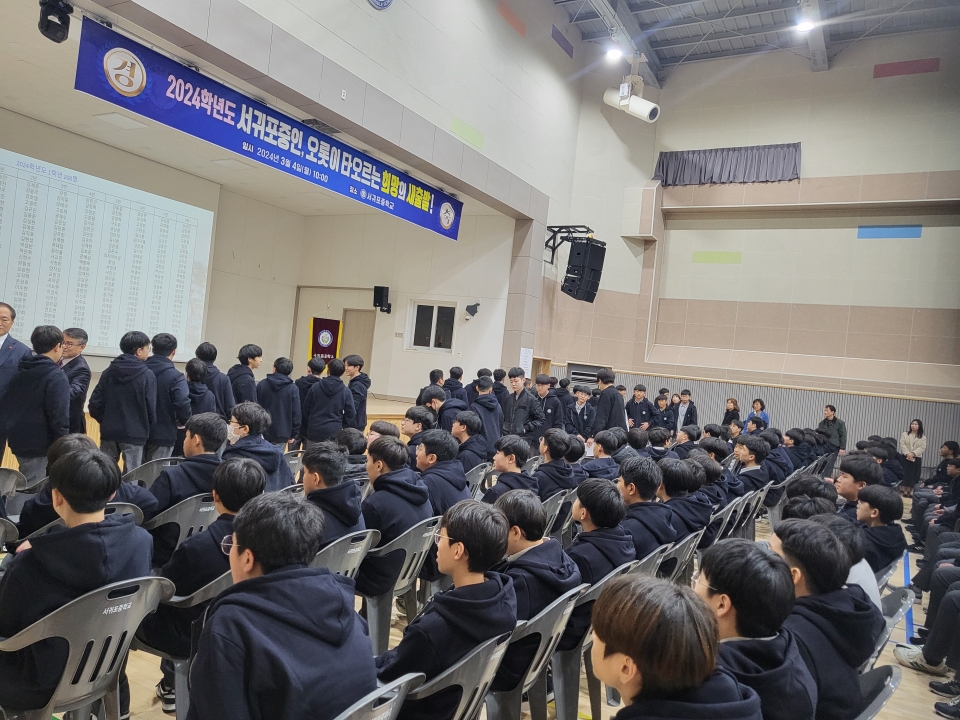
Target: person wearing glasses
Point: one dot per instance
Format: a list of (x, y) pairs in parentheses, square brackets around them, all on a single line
[(75, 367), (200, 560), (245, 439)]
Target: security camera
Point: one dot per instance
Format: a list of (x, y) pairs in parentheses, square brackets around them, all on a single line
[(55, 19), (632, 104), (472, 310)]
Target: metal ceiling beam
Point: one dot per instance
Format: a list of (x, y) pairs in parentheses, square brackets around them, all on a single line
[(673, 62), (617, 14), (583, 16), (879, 13), (789, 6), (853, 37), (816, 38), (750, 32)]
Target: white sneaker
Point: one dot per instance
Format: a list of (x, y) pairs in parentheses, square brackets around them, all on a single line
[(911, 656)]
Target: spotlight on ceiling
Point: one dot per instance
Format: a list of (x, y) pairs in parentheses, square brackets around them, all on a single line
[(614, 54), (805, 26), (55, 19)]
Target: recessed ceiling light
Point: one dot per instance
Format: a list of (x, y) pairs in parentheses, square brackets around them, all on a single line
[(232, 164), (120, 121)]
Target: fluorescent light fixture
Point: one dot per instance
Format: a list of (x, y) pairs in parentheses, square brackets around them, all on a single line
[(805, 26), (232, 164), (614, 54), (121, 121)]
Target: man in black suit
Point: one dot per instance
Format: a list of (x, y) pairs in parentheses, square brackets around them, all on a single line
[(11, 352), (610, 410), (75, 367)]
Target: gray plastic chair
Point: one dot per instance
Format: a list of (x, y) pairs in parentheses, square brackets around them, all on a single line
[(565, 533), (551, 506), (724, 516), (883, 576), (11, 481), (145, 475), (385, 702), (415, 545), (473, 674), (775, 511), (110, 509), (8, 532), (741, 504), (531, 465), (877, 687), (683, 552), (651, 563), (549, 626), (746, 526), (97, 628), (343, 556), (181, 666), (894, 608), (191, 516), (295, 488), (476, 475), (294, 459)]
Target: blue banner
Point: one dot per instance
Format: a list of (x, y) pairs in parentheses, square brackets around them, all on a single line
[(117, 69)]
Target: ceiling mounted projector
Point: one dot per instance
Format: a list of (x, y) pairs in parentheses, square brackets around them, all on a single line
[(624, 99)]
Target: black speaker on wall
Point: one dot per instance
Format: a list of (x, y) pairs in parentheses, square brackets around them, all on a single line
[(381, 298), (584, 269)]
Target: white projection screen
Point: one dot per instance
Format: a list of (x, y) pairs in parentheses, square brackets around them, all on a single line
[(80, 251)]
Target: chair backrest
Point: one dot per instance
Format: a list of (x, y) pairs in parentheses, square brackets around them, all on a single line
[(568, 499), (894, 608), (294, 459), (531, 465), (295, 488), (551, 506), (649, 564), (883, 576), (742, 507), (415, 544), (191, 516), (8, 532), (122, 508), (97, 628), (207, 592), (476, 476), (722, 519), (385, 702), (473, 674), (343, 556), (146, 474), (10, 481), (682, 552), (876, 688)]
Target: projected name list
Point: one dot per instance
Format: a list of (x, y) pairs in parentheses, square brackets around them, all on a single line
[(79, 251)]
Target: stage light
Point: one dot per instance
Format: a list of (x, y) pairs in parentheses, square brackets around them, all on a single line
[(805, 26), (614, 54)]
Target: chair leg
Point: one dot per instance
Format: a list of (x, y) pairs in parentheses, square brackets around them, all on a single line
[(111, 704), (504, 705), (566, 683), (378, 621), (537, 696), (412, 605), (181, 684), (593, 687)]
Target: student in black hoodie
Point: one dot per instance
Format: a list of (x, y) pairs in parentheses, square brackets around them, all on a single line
[(359, 384), (778, 464), (717, 450), (454, 386), (353, 445), (398, 502), (467, 429), (605, 444), (687, 438), (90, 551), (500, 390), (218, 383), (658, 450), (441, 471), (267, 648), (512, 453), (329, 406), (797, 448), (625, 449), (714, 486), (878, 510), (278, 395), (648, 522), (201, 399), (679, 491), (656, 643), (541, 572), (324, 486), (573, 457), (554, 475), (750, 591), (639, 409), (488, 409), (580, 414), (751, 451), (445, 409), (610, 408), (36, 408), (663, 415), (242, 381), (480, 606), (473, 389), (315, 368), (245, 439), (125, 402), (75, 367), (173, 398), (198, 562), (436, 380), (553, 413), (857, 471), (416, 421), (836, 627)]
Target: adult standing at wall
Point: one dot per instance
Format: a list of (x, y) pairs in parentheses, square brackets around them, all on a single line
[(835, 430), (75, 367), (12, 351), (610, 408), (913, 443)]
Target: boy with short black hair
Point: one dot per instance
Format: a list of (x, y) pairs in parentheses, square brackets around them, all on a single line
[(878, 510), (467, 430), (328, 407), (488, 409), (315, 367), (279, 396), (639, 409), (658, 450), (687, 438), (500, 390), (639, 440), (648, 522), (416, 421), (379, 428), (691, 510), (522, 411), (857, 471), (554, 475), (242, 381), (173, 398), (201, 399), (554, 415), (446, 409), (778, 464), (323, 485), (580, 414), (573, 457), (453, 385), (755, 425), (245, 439), (353, 445), (751, 451), (718, 450), (440, 470), (512, 453), (605, 444), (473, 389), (359, 386), (218, 383)]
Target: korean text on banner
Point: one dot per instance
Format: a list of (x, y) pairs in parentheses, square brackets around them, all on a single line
[(324, 338)]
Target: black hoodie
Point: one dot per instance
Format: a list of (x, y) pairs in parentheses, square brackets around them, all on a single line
[(507, 481), (201, 399), (487, 407), (277, 394), (473, 452), (256, 447), (605, 467), (267, 650), (658, 453), (610, 412), (448, 413), (36, 409), (125, 401), (683, 449), (502, 392), (356, 470), (176, 483), (554, 477), (304, 384), (624, 452), (836, 632), (327, 410), (472, 392), (753, 478), (219, 385), (412, 443), (801, 455), (721, 697), (398, 502), (691, 513), (173, 401), (455, 389), (732, 484), (779, 466), (38, 512), (447, 485), (359, 387), (650, 524), (61, 566), (885, 544), (454, 622), (774, 669), (341, 510), (243, 383)]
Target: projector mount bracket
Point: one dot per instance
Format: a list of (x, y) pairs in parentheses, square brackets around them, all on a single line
[(567, 232)]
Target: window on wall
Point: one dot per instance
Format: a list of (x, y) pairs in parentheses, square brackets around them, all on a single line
[(433, 327)]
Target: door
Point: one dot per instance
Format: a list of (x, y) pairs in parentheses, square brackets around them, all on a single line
[(357, 337)]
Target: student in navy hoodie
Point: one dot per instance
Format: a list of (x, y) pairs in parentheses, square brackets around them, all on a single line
[(554, 415), (436, 380), (648, 522), (541, 572), (751, 451), (323, 484), (245, 439), (658, 450), (353, 445), (328, 407), (441, 471), (36, 408), (500, 390), (679, 492), (278, 395), (315, 368), (601, 547), (717, 450), (242, 381), (574, 456), (218, 383), (173, 398), (473, 389), (398, 502), (488, 409), (90, 551), (836, 627), (266, 649), (878, 510), (625, 449), (713, 487), (512, 453), (750, 591), (800, 451), (580, 415), (201, 399), (196, 563), (605, 444), (656, 643), (480, 606), (857, 471), (554, 475), (639, 409), (467, 429), (359, 384), (454, 386), (663, 415), (416, 421), (778, 464), (445, 409), (687, 438), (125, 402)]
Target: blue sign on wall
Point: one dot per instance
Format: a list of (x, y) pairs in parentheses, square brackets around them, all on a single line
[(117, 69)]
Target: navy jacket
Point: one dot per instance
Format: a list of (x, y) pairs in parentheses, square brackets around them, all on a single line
[(78, 375), (540, 575), (125, 401), (398, 502), (219, 385), (522, 415), (412, 444), (779, 466), (258, 448), (243, 383), (196, 563), (640, 412), (580, 420), (491, 415), (448, 413), (452, 624), (885, 544), (473, 452), (849, 510), (266, 651), (689, 416), (507, 481), (327, 410), (753, 478), (501, 392), (721, 697), (665, 419), (579, 474), (279, 396), (683, 449), (359, 387), (447, 485), (201, 399), (801, 455), (304, 384), (11, 352), (36, 409), (554, 477), (610, 413), (691, 513), (732, 484), (554, 415), (650, 524), (176, 483), (173, 401), (659, 453), (61, 566), (341, 510), (836, 633), (624, 452), (605, 467), (356, 470), (774, 669), (455, 389)]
